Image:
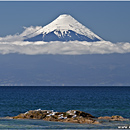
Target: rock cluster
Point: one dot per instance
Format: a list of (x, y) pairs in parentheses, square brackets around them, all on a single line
[(113, 118), (73, 116)]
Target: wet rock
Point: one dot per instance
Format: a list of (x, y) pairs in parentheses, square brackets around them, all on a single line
[(105, 117), (118, 118), (82, 120), (72, 116), (79, 113), (32, 114), (20, 116), (113, 118)]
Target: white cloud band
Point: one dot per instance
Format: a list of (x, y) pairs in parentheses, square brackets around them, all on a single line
[(68, 48)]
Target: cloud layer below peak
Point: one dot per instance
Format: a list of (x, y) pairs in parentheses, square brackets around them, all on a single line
[(65, 48)]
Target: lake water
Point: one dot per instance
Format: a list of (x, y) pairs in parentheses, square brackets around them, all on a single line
[(98, 101)]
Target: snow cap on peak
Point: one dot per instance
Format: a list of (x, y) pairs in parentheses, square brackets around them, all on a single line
[(64, 15), (65, 23)]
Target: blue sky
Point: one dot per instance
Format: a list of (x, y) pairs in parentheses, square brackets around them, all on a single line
[(110, 20)]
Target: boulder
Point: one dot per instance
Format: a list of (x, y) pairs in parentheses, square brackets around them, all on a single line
[(79, 113), (118, 118), (105, 117), (113, 118), (32, 114)]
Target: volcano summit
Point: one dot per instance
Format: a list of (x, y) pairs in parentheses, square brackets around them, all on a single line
[(63, 28)]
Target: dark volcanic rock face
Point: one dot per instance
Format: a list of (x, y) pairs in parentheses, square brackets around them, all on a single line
[(69, 36)]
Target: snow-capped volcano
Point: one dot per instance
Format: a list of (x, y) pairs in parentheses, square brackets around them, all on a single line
[(63, 28)]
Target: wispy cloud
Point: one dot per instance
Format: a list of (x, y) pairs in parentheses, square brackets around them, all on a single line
[(65, 48)]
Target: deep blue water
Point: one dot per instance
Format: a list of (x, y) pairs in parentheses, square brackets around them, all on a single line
[(98, 101)]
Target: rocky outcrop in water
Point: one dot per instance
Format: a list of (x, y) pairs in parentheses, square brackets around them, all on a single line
[(113, 118), (73, 116)]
